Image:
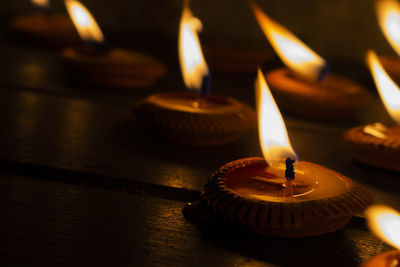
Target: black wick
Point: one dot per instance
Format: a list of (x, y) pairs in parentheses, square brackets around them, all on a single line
[(289, 172)]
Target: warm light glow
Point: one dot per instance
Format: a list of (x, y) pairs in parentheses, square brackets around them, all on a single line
[(388, 12), (388, 90), (84, 22), (385, 223), (376, 129), (191, 59), (272, 132), (294, 53), (41, 3)]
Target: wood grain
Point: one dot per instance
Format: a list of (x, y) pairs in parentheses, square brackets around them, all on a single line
[(93, 137), (56, 224), (82, 182)]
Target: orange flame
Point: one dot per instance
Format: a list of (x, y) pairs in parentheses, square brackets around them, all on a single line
[(84, 22), (388, 12), (191, 59), (41, 3), (294, 53), (385, 223), (272, 132), (388, 90)]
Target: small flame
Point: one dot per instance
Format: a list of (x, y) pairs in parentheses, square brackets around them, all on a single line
[(294, 53), (385, 223), (191, 59), (41, 3), (84, 22), (388, 13), (388, 90), (272, 132)]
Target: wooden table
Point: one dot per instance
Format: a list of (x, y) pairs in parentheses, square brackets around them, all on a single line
[(84, 183)]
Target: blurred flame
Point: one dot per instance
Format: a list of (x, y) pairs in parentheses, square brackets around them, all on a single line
[(191, 59), (385, 223), (84, 22), (41, 3), (272, 132), (294, 53), (388, 12), (388, 90)]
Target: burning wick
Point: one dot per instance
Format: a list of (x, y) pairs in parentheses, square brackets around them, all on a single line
[(324, 72), (279, 182), (289, 174), (206, 85), (204, 92), (100, 47)]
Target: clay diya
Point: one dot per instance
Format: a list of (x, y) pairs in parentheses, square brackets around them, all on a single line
[(95, 62), (278, 195), (305, 87), (388, 14), (44, 26), (377, 144), (385, 223), (195, 118)]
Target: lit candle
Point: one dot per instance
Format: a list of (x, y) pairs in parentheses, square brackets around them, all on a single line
[(195, 118), (191, 59), (267, 195), (388, 14), (377, 144), (385, 223), (305, 86), (44, 26), (103, 66), (85, 24)]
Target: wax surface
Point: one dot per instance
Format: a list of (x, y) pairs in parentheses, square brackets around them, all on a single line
[(313, 182), (191, 102), (383, 132), (332, 84), (386, 259), (334, 97)]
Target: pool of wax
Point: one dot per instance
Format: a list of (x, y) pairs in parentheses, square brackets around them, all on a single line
[(263, 182), (191, 102)]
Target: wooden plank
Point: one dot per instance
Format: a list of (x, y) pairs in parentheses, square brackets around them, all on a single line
[(49, 124), (40, 70), (56, 224), (104, 139)]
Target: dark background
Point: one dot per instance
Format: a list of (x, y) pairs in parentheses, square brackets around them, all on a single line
[(338, 30)]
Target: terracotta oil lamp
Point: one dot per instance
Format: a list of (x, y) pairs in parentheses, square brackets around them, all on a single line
[(388, 14), (195, 118), (44, 26), (279, 195), (305, 86), (385, 223), (93, 61), (377, 144)]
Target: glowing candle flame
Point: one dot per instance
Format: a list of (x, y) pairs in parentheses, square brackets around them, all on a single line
[(388, 90), (191, 59), (388, 12), (385, 223), (84, 22), (272, 132), (294, 53), (41, 3)]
